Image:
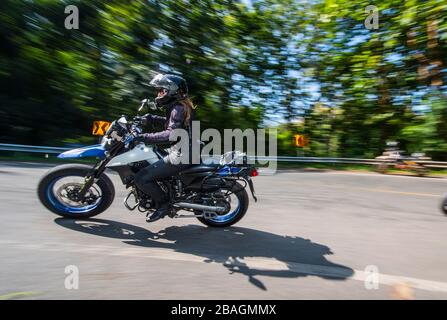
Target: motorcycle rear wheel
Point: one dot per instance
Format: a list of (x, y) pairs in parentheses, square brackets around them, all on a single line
[(236, 212)]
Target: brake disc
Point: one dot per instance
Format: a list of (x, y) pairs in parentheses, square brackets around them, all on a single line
[(69, 192)]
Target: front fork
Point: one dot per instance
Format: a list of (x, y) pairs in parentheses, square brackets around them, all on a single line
[(98, 169), (92, 177)]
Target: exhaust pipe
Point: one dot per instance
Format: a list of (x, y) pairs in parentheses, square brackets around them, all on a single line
[(187, 205)]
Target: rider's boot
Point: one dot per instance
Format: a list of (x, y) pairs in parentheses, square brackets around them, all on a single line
[(161, 212)]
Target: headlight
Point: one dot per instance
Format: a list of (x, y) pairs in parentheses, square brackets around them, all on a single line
[(115, 136)]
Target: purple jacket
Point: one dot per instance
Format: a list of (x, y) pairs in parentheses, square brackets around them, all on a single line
[(175, 121)]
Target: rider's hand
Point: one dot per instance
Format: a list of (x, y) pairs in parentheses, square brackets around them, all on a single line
[(139, 138), (145, 119), (136, 140)]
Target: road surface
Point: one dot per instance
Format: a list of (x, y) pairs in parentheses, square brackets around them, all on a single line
[(311, 235)]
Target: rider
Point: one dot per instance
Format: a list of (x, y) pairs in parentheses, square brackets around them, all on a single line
[(173, 97)]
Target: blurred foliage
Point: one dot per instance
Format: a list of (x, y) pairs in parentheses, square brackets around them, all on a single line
[(383, 84), (311, 65)]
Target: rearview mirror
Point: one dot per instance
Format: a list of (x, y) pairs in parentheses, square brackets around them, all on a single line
[(143, 103), (151, 105)]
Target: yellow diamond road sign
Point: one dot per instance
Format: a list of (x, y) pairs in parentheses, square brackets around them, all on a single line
[(100, 128), (300, 140)]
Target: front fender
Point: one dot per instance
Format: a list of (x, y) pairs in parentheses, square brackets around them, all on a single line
[(96, 150)]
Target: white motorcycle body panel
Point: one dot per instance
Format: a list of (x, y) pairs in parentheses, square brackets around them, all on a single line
[(139, 153)]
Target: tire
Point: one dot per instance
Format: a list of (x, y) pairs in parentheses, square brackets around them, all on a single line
[(47, 197), (443, 205), (242, 196)]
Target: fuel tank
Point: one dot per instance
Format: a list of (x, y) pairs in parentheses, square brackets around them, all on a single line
[(139, 153)]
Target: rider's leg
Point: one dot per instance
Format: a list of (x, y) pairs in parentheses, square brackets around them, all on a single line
[(145, 180)]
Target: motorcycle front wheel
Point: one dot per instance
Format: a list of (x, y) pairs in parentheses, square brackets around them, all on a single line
[(57, 192)]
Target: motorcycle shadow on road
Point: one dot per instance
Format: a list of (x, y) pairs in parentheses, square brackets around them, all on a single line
[(241, 250)]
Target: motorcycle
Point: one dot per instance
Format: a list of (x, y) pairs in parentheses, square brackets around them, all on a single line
[(443, 204), (397, 160), (214, 193)]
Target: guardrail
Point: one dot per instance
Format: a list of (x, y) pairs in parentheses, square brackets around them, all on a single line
[(56, 150), (33, 149), (426, 163)]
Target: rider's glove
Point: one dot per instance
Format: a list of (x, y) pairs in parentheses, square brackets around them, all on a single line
[(139, 138), (145, 120), (136, 141)]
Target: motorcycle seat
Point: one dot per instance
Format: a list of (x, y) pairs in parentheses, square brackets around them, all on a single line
[(199, 168)]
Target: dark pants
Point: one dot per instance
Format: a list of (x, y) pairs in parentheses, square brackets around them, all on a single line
[(145, 180)]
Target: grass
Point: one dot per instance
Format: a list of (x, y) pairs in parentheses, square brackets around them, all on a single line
[(324, 166)]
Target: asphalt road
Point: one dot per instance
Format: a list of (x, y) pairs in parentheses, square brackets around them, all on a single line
[(311, 235)]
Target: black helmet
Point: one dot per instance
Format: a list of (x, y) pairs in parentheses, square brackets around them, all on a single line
[(175, 86)]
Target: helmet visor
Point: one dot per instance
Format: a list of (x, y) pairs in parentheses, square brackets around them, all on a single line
[(161, 81)]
